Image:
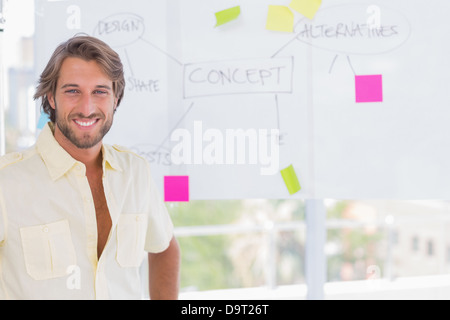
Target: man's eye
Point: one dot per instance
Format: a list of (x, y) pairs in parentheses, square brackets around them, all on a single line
[(72, 91), (100, 92)]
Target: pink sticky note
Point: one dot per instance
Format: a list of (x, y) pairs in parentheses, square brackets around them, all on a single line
[(176, 189), (369, 88)]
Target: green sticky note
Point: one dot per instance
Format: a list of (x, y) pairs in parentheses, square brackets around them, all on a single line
[(308, 8), (291, 180), (227, 15), (280, 18)]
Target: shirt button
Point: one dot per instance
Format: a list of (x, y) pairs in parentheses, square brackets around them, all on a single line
[(45, 229), (79, 168)]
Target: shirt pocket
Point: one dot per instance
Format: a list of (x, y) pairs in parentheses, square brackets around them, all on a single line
[(48, 250), (131, 234)]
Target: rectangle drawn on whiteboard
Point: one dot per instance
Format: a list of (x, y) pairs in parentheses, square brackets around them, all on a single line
[(238, 77)]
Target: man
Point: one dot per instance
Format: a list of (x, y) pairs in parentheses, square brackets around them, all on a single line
[(76, 215)]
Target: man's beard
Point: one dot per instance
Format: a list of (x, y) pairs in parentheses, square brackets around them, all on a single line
[(86, 141)]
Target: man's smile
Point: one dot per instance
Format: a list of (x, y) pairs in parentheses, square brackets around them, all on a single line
[(86, 123)]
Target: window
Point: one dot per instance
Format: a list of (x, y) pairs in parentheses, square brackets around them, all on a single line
[(18, 77), (240, 243)]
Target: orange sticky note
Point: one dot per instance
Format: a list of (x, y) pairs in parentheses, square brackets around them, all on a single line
[(280, 18)]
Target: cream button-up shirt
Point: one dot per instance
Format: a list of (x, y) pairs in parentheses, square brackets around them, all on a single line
[(48, 228)]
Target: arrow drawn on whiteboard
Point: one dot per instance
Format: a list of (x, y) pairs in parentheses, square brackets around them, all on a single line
[(129, 62), (162, 51), (334, 61), (284, 46), (281, 135), (332, 64), (278, 112), (350, 64), (175, 127)]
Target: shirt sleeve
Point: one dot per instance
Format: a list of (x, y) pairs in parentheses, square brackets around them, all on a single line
[(160, 226)]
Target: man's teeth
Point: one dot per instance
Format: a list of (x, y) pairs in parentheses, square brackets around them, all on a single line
[(85, 124)]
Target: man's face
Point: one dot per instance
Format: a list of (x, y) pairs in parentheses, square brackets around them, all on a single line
[(84, 102)]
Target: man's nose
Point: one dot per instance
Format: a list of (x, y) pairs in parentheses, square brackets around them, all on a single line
[(87, 106)]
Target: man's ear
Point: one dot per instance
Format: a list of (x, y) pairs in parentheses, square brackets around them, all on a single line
[(51, 100)]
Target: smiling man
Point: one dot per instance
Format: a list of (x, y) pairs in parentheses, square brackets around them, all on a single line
[(77, 215)]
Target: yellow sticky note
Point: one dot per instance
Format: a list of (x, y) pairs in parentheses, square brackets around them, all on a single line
[(280, 18), (291, 180), (227, 15), (308, 8)]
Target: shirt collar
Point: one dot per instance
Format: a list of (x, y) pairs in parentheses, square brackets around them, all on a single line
[(59, 162), (110, 160)]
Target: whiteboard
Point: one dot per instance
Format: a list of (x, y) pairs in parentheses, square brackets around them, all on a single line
[(198, 95)]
